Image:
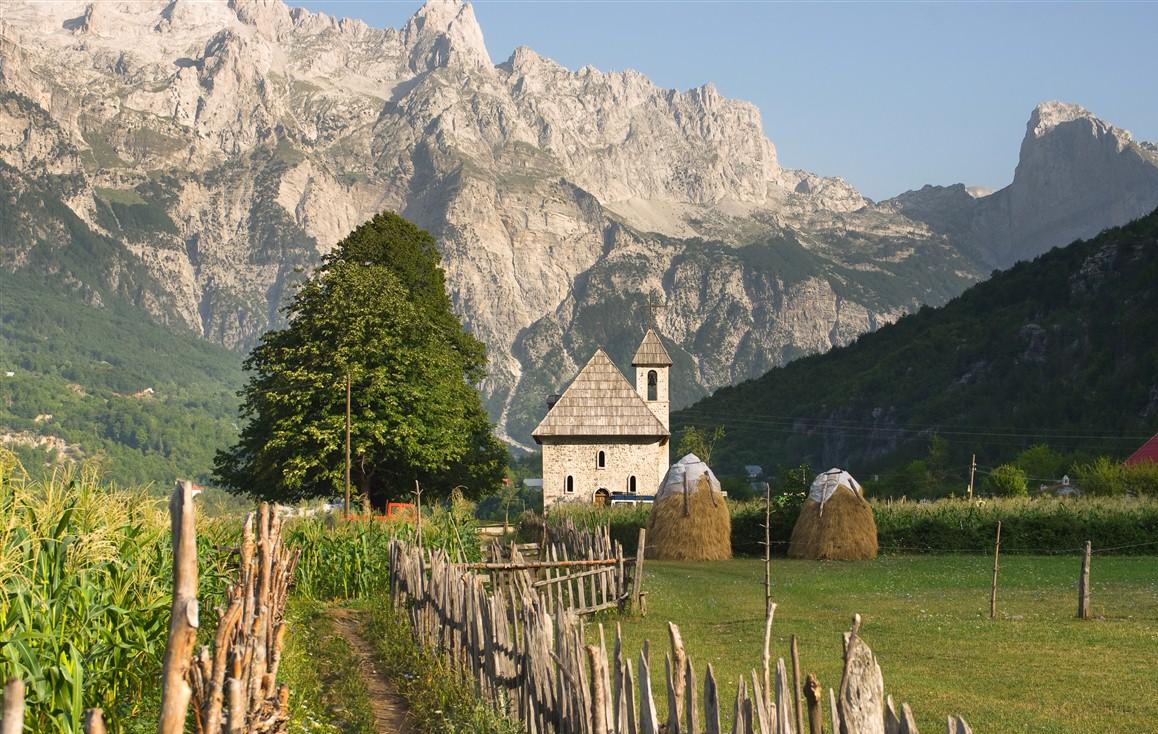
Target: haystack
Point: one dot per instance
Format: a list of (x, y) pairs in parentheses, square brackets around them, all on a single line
[(836, 522), (689, 518)]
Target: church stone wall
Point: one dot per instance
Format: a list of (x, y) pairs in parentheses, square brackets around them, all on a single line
[(647, 461)]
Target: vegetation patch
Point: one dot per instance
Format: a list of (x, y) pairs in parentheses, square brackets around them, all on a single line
[(439, 700)]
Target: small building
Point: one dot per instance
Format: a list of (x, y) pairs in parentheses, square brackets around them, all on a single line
[(604, 438), (1148, 452)]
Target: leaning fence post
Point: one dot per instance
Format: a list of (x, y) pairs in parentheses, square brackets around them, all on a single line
[(637, 582), (993, 591), (13, 721), (183, 616), (1084, 586)]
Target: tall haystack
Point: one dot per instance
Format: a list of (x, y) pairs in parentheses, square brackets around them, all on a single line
[(689, 519), (836, 522)]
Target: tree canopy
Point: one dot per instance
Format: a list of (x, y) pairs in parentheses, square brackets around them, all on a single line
[(376, 311)]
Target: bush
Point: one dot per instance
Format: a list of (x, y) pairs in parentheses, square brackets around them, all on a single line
[(1141, 479), (1100, 478), (1007, 480)]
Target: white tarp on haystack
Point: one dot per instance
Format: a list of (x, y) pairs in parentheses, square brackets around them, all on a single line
[(825, 484), (691, 468)]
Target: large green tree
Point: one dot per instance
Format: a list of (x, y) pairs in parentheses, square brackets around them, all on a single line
[(376, 311)]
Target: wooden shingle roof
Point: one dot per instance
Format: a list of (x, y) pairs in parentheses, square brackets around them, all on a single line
[(600, 402), (651, 352)]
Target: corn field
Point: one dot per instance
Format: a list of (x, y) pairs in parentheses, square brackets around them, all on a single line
[(85, 587)]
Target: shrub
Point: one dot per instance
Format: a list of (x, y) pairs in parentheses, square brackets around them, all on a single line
[(1007, 480), (1141, 479), (1100, 478)]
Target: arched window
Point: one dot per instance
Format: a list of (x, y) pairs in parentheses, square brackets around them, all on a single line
[(569, 484), (631, 484), (601, 460), (652, 384)]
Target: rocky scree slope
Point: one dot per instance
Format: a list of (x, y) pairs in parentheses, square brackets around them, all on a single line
[(195, 157)]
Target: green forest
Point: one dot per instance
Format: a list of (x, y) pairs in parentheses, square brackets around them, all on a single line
[(149, 404), (1057, 355)]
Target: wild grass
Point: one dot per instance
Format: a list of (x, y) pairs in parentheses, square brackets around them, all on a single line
[(438, 699), (1034, 669)]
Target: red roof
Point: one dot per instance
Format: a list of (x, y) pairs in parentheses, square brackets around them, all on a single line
[(1148, 452)]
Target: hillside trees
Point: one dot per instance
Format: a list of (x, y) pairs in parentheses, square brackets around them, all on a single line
[(377, 312)]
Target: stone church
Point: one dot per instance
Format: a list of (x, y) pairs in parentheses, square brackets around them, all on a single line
[(603, 437)]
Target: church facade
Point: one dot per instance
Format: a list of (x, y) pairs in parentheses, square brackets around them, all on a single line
[(605, 437)]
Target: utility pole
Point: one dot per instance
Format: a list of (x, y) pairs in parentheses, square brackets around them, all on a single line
[(347, 445), (972, 473)]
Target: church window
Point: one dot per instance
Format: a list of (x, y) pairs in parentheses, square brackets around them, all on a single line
[(601, 460), (631, 484), (569, 484), (652, 384)]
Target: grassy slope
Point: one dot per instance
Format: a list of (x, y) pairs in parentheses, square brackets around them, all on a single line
[(84, 366), (1036, 669), (1060, 350)]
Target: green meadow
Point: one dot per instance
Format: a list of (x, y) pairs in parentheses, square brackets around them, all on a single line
[(1036, 668)]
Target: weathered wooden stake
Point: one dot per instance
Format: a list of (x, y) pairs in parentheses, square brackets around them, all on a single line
[(766, 659), (94, 722), (1084, 586), (812, 693), (418, 514), (796, 686), (13, 721), (637, 582), (993, 591), (183, 615)]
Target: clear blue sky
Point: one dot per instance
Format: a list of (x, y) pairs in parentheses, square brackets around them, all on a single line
[(890, 96)]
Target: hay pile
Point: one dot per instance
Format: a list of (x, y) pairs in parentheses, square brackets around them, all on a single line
[(836, 522), (689, 519)]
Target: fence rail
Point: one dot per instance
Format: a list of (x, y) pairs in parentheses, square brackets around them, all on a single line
[(534, 663), (583, 571)]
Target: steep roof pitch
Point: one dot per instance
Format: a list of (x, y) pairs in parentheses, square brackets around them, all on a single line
[(600, 402), (651, 352), (1148, 452)]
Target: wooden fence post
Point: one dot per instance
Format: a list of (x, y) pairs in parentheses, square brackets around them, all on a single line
[(993, 591), (637, 582), (183, 615), (13, 721), (796, 686), (813, 692), (94, 722), (1084, 586)]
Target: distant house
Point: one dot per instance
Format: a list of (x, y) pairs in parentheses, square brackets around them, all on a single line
[(1148, 452), (603, 438), (1060, 489)]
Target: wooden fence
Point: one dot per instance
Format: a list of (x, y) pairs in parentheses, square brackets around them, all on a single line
[(580, 571), (534, 664)]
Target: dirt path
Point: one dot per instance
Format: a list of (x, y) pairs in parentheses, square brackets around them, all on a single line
[(389, 708)]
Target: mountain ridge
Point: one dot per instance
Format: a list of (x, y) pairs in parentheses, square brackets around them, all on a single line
[(219, 148)]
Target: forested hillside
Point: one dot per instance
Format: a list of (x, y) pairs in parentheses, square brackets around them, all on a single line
[(1062, 350), (107, 382)]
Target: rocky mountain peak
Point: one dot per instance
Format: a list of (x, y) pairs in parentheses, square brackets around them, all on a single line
[(445, 33), (1048, 115), (271, 18)]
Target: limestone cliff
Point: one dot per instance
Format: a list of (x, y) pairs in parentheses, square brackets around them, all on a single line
[(196, 156)]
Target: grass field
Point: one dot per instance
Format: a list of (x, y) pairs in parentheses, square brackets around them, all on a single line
[(1034, 669)]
